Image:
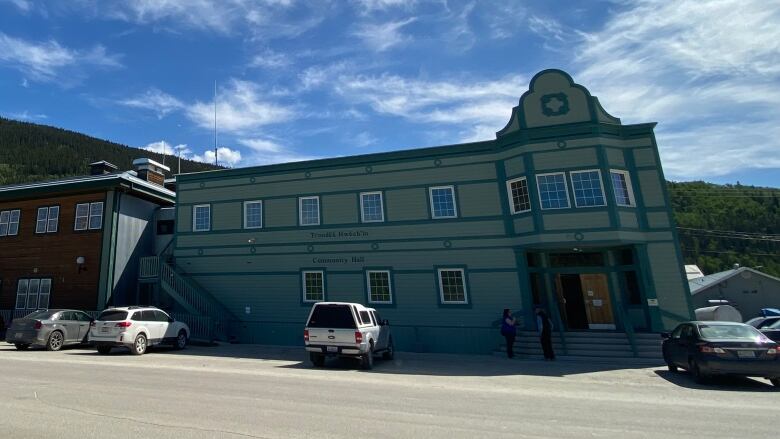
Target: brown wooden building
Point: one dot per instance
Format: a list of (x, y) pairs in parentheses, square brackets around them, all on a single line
[(75, 243)]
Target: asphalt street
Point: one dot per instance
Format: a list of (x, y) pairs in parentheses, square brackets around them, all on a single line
[(239, 391)]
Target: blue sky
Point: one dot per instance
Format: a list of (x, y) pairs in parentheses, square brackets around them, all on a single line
[(308, 79)]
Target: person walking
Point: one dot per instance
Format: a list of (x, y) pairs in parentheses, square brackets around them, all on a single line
[(545, 326), (509, 331)]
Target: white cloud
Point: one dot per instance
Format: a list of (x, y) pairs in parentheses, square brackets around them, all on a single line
[(261, 145), (463, 102), (24, 5), (706, 71), (363, 139), (226, 156), (270, 60), (27, 116), (156, 100), (163, 147), (241, 106), (47, 61), (383, 36), (268, 151), (382, 5)]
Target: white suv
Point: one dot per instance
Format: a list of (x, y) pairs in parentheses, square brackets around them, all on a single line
[(136, 328), (341, 329)]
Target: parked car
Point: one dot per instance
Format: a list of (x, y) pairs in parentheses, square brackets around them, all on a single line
[(709, 348), (760, 322), (772, 331), (137, 328), (52, 328), (337, 329)]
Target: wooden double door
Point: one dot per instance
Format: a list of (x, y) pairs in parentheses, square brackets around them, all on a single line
[(584, 301)]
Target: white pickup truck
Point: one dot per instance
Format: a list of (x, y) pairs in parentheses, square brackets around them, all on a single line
[(339, 329)]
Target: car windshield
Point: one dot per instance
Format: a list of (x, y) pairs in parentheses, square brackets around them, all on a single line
[(332, 316), (40, 315), (112, 316), (729, 332)]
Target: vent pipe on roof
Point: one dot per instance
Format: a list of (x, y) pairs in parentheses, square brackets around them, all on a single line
[(102, 168)]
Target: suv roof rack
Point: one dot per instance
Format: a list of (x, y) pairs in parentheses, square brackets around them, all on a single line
[(141, 306)]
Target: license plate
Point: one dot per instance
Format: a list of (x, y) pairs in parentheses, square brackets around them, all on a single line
[(333, 349), (18, 335), (104, 330), (746, 354)]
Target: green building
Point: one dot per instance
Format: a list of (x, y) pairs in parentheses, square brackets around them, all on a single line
[(566, 209)]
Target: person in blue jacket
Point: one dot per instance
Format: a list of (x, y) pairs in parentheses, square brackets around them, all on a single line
[(509, 331), (545, 326)]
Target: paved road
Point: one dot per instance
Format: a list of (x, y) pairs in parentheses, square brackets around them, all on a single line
[(254, 391)]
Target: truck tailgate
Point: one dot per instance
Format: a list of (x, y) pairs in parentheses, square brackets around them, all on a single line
[(333, 337)]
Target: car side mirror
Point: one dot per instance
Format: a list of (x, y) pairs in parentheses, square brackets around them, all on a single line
[(665, 335)]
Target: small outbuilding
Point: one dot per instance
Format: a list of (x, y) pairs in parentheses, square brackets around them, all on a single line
[(746, 289)]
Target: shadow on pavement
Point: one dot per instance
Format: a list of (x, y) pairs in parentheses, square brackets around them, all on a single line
[(718, 383)]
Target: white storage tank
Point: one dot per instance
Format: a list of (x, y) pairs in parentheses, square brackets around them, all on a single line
[(720, 313)]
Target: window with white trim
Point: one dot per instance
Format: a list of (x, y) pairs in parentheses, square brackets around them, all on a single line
[(519, 199), (201, 218), (9, 222), (452, 285), (313, 286), (89, 216), (443, 202), (621, 183), (253, 214), (309, 211), (371, 208), (587, 187), (379, 288), (47, 220), (33, 294), (552, 190)]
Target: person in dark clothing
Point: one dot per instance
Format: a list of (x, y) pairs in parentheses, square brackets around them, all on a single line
[(509, 331), (545, 326)]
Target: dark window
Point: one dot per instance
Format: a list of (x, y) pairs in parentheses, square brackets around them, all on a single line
[(633, 292), (536, 288), (148, 316), (165, 227), (113, 316), (83, 317), (138, 316), (677, 331), (533, 259), (626, 256), (578, 259), (67, 316), (378, 319), (687, 331), (365, 317), (40, 315), (332, 316), (160, 316)]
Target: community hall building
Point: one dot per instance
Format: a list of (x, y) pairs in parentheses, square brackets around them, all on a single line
[(565, 209)]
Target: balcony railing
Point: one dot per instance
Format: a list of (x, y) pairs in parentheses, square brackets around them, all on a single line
[(149, 267)]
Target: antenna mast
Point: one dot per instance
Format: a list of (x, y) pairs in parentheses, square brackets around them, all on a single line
[(216, 161)]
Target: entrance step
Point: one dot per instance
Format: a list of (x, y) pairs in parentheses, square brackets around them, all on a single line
[(591, 345)]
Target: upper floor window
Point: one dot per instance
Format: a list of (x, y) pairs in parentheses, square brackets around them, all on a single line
[(253, 214), (624, 194), (371, 208), (379, 289), (552, 190), (9, 222), (201, 218), (519, 199), (587, 187), (443, 202), (452, 285), (309, 211), (89, 216), (313, 286), (47, 220)]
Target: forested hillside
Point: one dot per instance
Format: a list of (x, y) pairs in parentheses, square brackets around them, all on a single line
[(723, 225), (32, 152), (718, 225)]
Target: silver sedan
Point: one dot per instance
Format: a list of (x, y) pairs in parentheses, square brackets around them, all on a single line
[(52, 328)]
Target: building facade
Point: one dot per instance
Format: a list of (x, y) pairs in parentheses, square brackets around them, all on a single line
[(566, 209), (75, 243)]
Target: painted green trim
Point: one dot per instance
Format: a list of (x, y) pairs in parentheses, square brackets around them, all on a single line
[(524, 281), (502, 188), (606, 187), (533, 193), (105, 248), (112, 249), (332, 271)]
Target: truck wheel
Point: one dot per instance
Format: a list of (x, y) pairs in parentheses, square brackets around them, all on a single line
[(318, 360), (367, 361), (390, 352)]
